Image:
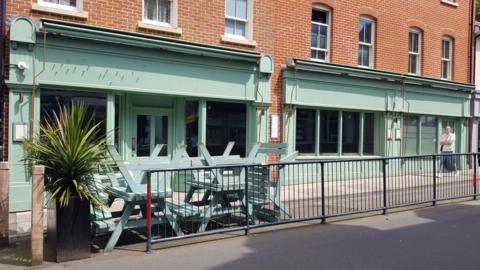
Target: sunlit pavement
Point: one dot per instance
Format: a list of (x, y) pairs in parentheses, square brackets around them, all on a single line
[(442, 237)]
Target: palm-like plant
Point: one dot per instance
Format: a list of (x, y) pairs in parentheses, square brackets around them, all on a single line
[(70, 146)]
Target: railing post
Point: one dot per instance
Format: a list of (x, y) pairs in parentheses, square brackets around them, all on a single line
[(434, 160), (475, 176), (4, 203), (322, 167), (247, 205), (38, 174), (149, 212), (384, 165)]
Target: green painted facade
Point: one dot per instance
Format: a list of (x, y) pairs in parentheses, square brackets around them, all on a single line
[(146, 74), (390, 96)]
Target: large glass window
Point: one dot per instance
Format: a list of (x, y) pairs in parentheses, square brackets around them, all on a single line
[(328, 132), (305, 133), (236, 18), (151, 131), (414, 51), (410, 135), (52, 101), (366, 36), (226, 122), (369, 134), (191, 132), (320, 41), (350, 132), (428, 134), (324, 139), (447, 48)]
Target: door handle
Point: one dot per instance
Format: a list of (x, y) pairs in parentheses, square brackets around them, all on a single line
[(134, 147)]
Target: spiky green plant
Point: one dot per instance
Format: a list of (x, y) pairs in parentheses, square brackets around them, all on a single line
[(70, 146)]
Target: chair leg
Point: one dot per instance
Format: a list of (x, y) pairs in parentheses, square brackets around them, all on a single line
[(172, 220), (112, 241)]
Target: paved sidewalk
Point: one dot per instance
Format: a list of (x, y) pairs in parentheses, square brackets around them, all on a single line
[(443, 237)]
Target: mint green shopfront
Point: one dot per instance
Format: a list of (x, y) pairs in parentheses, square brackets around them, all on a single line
[(336, 111), (146, 90)]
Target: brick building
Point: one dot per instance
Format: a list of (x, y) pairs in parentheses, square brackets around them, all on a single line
[(342, 78)]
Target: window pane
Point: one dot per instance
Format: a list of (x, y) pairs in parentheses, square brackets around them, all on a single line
[(52, 101), (229, 27), (416, 42), (321, 55), (151, 10), (361, 31), (319, 16), (143, 135), (410, 131), (364, 55), (226, 122), (191, 127), (350, 132), (368, 32), (314, 54), (328, 131), (240, 28), (446, 69), (428, 134), (164, 11), (315, 40), (241, 9), (161, 133), (369, 134), (446, 49), (323, 37), (305, 133), (412, 64), (230, 8)]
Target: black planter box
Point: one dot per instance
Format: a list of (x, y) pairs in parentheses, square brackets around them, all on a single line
[(68, 231)]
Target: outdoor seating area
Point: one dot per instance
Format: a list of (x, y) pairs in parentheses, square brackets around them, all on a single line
[(189, 197)]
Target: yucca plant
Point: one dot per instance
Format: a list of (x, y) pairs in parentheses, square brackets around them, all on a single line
[(70, 146)]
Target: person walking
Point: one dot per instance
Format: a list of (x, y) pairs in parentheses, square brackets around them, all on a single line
[(447, 147)]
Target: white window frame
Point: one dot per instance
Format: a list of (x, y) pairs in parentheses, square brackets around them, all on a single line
[(78, 7), (248, 22), (447, 60), (173, 15), (370, 45), (417, 54), (328, 25)]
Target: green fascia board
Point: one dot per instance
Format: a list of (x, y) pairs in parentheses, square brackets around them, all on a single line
[(337, 69), (85, 31)]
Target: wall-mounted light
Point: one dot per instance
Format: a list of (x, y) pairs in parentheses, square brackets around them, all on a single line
[(22, 66)]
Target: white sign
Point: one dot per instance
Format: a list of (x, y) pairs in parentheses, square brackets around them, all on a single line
[(275, 122), (20, 132)]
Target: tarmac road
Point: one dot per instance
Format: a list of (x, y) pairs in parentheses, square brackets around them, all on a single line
[(442, 237)]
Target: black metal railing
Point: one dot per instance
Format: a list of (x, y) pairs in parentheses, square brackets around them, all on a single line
[(188, 202)]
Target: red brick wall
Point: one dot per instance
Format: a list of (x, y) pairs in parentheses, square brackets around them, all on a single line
[(282, 27), (393, 19)]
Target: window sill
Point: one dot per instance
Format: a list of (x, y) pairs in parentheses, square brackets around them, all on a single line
[(445, 2), (244, 42), (160, 28), (60, 11)]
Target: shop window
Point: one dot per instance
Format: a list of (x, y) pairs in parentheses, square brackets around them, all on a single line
[(52, 101), (328, 132), (369, 134), (226, 122), (350, 132), (117, 123), (305, 132), (410, 135), (151, 131), (428, 135), (191, 125)]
